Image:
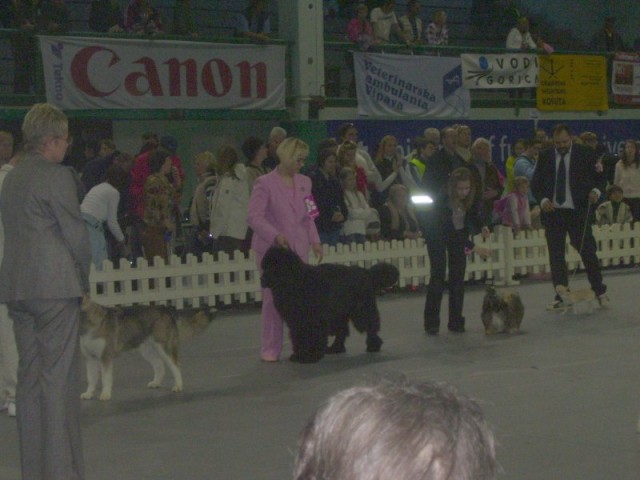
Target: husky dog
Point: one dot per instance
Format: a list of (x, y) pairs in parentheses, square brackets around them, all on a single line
[(501, 312), (156, 331), (580, 301)]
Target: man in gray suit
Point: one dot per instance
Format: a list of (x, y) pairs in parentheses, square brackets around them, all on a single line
[(44, 272)]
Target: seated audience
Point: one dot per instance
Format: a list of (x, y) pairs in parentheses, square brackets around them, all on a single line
[(359, 29), (437, 31), (157, 207), (348, 131), (255, 151), (519, 37), (254, 22), (100, 207), (411, 23), (142, 17), (54, 17), (513, 210), (230, 203), (199, 211), (400, 430), (385, 23), (627, 176), (359, 213), (183, 21), (614, 210), (106, 16), (397, 218), (327, 193)]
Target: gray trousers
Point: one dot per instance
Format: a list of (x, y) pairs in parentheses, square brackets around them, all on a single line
[(48, 391)]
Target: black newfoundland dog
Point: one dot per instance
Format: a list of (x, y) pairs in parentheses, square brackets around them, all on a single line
[(318, 301)]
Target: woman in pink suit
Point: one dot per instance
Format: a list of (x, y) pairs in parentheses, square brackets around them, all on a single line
[(282, 212)]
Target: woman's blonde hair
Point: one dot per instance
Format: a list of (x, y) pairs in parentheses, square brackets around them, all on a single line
[(381, 145), (208, 159), (292, 147)]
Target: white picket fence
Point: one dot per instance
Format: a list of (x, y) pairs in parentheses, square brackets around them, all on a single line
[(236, 280)]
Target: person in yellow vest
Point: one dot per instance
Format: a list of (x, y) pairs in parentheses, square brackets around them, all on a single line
[(517, 150)]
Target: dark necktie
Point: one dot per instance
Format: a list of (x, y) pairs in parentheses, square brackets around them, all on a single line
[(561, 181)]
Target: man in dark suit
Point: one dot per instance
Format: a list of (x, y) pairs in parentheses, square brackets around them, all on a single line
[(45, 271), (566, 183)]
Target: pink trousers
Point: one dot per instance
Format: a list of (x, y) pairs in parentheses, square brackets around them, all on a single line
[(272, 328)]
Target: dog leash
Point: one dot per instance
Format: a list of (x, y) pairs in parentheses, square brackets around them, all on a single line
[(584, 234)]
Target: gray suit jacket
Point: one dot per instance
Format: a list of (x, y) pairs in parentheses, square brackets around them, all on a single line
[(46, 252)]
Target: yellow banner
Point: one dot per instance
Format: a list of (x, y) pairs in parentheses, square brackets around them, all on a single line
[(572, 82)]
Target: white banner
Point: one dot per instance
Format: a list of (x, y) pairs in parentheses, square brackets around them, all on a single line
[(87, 73), (504, 70), (410, 85)]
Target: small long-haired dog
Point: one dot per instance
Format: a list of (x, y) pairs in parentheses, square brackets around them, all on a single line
[(501, 312), (580, 301), (318, 301), (156, 331)]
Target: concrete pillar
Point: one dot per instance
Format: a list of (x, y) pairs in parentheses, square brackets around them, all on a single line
[(301, 23)]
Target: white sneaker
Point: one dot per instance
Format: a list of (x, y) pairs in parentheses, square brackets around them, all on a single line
[(11, 408), (603, 300)]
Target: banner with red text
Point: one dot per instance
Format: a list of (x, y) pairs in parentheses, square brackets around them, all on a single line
[(88, 73), (410, 86)]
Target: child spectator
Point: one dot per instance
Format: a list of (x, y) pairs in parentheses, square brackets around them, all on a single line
[(614, 210), (359, 212), (516, 150), (513, 210), (397, 218)]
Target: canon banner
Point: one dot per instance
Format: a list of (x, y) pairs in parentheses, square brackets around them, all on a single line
[(410, 86), (87, 73), (504, 70)]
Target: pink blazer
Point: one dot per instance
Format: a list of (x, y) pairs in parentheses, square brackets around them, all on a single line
[(274, 209)]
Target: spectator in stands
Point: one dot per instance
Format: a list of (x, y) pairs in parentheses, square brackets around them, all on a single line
[(95, 169), (432, 134), (418, 431), (525, 164), (360, 30), (411, 24), (516, 150), (106, 16), (8, 348), (424, 150), (228, 216), (183, 21), (327, 192), (254, 23), (23, 14), (347, 159), (176, 177), (463, 142), (607, 39), (385, 23), (627, 176), (349, 132), (54, 17), (359, 213), (100, 207), (142, 18), (437, 31), (513, 210), (6, 147), (607, 158), (199, 211), (276, 136), (491, 180), (541, 136), (519, 37), (397, 218), (150, 141), (393, 169), (157, 207), (255, 151), (614, 210)]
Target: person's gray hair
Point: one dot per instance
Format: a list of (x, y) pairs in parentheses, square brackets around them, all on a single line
[(43, 120), (396, 429), (278, 132), (479, 141)]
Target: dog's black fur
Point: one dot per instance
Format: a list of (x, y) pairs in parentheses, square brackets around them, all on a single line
[(317, 301)]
